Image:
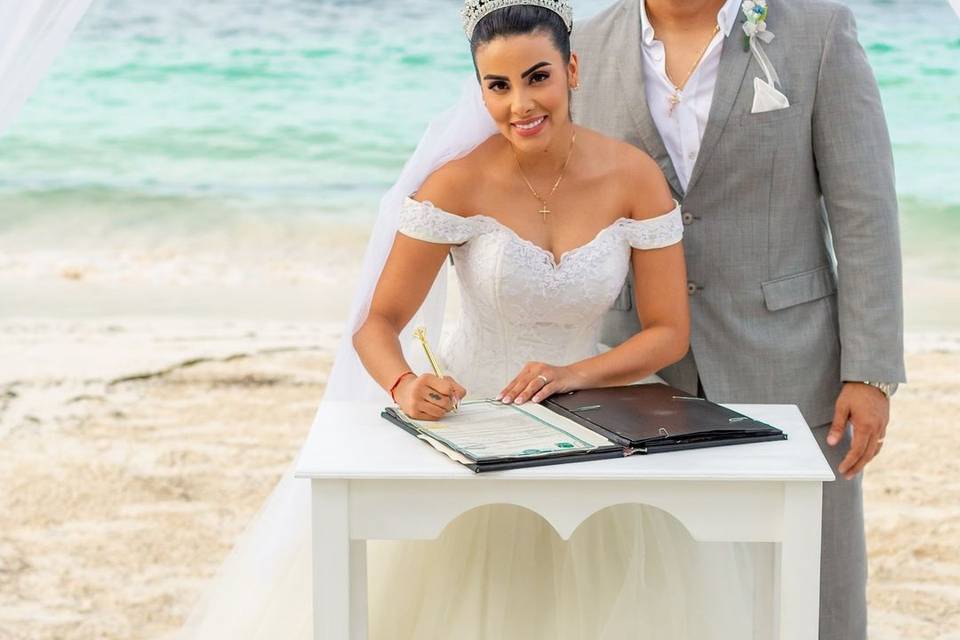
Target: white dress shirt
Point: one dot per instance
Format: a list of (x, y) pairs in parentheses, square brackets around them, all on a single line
[(682, 130)]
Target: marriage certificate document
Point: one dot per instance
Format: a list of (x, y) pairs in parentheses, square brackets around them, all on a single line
[(488, 429)]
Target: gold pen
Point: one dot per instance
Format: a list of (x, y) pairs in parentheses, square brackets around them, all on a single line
[(420, 333)]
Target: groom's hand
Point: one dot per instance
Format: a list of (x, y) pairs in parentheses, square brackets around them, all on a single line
[(868, 410), (538, 380)]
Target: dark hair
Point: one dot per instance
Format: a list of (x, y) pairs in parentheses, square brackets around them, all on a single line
[(517, 20)]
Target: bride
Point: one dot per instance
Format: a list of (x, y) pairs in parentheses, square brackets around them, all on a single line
[(539, 219), (542, 219)]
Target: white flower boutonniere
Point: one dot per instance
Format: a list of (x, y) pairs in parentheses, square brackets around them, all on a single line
[(755, 30), (755, 25)]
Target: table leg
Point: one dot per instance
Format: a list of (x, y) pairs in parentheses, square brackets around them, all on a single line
[(799, 566), (331, 560), (358, 590)]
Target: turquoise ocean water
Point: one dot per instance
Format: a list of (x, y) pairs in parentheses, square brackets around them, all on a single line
[(178, 119)]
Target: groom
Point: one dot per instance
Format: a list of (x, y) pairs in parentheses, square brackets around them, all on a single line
[(790, 215)]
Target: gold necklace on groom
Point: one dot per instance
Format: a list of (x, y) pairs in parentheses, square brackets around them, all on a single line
[(677, 94), (544, 209)]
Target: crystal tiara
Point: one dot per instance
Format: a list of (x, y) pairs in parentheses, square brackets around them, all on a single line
[(475, 10)]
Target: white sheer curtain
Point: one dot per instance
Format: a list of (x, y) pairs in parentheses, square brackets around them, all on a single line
[(32, 33)]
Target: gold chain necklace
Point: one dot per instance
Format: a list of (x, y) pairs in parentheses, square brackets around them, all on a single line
[(544, 210), (674, 98)]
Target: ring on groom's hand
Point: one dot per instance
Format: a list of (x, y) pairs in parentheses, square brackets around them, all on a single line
[(544, 378)]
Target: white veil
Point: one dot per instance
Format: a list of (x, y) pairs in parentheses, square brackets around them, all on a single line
[(452, 134), (263, 589)]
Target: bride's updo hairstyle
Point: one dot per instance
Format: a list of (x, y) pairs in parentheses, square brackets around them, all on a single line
[(524, 19)]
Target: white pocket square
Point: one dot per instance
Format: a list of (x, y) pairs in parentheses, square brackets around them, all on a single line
[(766, 98)]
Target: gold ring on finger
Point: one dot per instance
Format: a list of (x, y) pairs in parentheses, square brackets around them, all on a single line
[(544, 378)]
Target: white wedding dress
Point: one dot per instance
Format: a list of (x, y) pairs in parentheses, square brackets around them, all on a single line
[(519, 304), (501, 572)]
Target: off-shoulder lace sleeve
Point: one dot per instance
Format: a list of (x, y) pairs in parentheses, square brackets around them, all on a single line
[(654, 233), (425, 221)]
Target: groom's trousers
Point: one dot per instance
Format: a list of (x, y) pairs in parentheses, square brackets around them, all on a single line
[(843, 554)]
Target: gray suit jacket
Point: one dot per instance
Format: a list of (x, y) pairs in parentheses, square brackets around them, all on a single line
[(791, 236)]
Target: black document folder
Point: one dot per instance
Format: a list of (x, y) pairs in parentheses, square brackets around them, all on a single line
[(632, 419), (651, 418)]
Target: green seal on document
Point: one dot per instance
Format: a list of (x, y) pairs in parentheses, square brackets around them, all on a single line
[(565, 445)]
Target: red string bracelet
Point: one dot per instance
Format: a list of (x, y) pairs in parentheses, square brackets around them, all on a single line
[(399, 378)]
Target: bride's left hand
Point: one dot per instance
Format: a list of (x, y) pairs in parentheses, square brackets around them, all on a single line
[(538, 380)]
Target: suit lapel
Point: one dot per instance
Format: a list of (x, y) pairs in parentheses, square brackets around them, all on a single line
[(733, 65), (631, 74)]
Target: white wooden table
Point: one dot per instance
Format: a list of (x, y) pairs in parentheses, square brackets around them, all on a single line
[(372, 480)]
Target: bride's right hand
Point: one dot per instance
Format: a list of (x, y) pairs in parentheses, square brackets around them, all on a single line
[(427, 397)]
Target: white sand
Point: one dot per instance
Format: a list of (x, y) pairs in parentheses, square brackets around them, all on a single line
[(130, 467)]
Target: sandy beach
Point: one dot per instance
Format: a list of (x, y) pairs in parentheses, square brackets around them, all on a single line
[(135, 449), (126, 479)]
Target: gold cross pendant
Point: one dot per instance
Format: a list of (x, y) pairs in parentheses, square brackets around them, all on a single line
[(674, 100), (544, 211)]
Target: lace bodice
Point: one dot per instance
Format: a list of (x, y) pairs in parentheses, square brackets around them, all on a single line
[(519, 304)]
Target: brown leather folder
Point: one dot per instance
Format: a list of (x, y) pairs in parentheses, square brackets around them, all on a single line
[(650, 418)]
